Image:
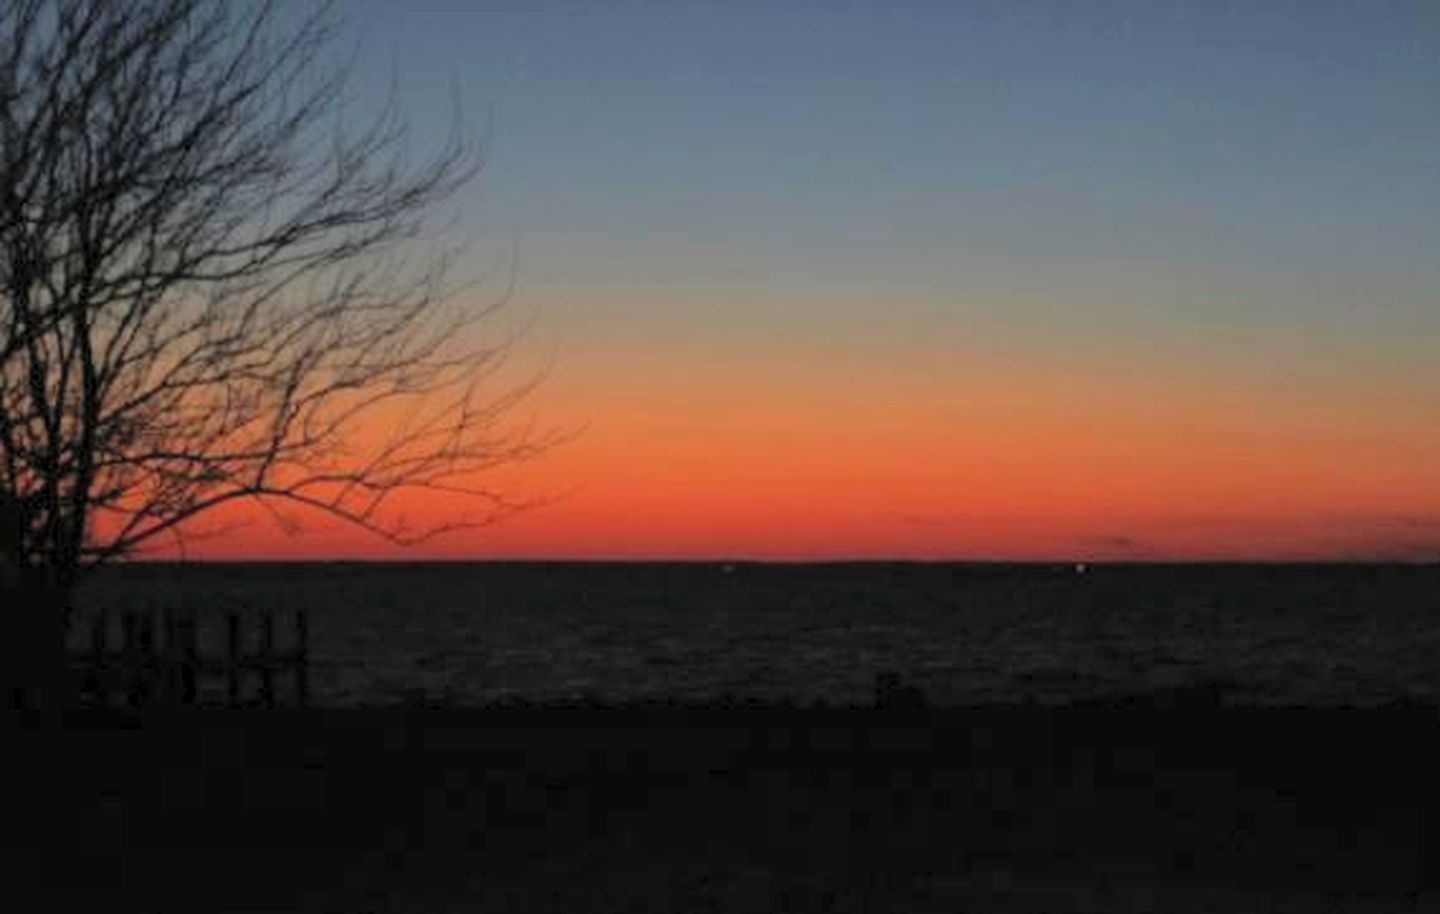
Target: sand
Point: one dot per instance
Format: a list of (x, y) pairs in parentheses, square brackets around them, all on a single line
[(968, 809)]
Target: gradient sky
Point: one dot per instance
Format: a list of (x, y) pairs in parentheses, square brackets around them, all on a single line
[(1000, 280)]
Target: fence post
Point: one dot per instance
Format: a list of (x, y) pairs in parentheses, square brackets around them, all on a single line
[(127, 657), (146, 629), (168, 680), (267, 658), (98, 678), (232, 669), (302, 657), (156, 658), (189, 660)]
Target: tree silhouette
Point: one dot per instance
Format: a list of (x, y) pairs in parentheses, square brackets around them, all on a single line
[(215, 288)]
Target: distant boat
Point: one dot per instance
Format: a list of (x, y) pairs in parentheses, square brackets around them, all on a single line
[(1081, 568)]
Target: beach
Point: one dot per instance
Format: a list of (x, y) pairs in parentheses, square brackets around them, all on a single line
[(987, 808)]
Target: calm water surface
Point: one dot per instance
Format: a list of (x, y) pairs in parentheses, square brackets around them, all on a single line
[(475, 632)]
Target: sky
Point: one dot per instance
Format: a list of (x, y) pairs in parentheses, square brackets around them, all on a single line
[(987, 280)]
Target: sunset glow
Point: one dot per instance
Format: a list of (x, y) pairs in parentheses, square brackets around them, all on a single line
[(866, 285)]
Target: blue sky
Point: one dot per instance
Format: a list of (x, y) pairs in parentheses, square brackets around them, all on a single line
[(1228, 205), (1288, 147)]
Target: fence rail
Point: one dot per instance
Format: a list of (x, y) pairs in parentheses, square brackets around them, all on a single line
[(157, 658)]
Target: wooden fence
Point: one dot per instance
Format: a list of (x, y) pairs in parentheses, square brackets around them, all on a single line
[(138, 659)]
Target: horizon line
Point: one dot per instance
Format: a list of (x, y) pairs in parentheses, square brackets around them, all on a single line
[(1078, 563)]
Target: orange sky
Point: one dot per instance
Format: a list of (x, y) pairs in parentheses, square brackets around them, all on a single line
[(973, 445), (965, 281)]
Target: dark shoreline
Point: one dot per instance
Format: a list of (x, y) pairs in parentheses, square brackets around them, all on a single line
[(475, 633), (354, 810), (1059, 563)]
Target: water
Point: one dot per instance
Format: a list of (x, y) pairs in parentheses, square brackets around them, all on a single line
[(469, 633)]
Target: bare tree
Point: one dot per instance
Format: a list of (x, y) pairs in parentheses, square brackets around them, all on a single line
[(213, 288)]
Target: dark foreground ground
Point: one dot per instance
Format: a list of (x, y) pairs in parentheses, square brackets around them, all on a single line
[(962, 810)]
